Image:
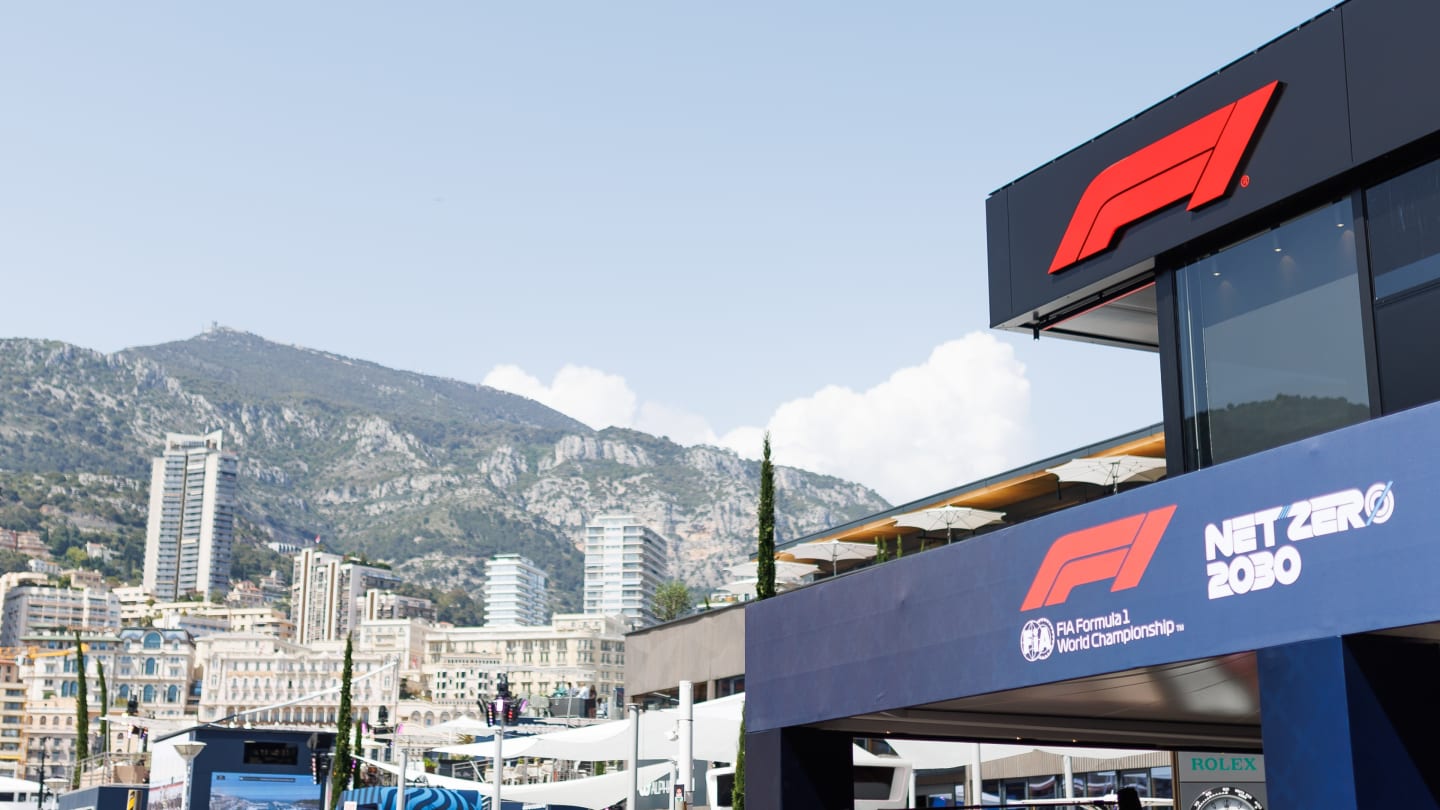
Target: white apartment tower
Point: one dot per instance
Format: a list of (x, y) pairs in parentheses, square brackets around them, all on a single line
[(192, 518), (327, 594), (515, 592), (624, 566)]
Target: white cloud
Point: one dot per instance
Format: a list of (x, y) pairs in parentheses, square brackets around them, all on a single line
[(957, 416), (594, 397)]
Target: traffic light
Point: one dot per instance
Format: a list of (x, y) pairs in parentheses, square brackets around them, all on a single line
[(132, 706), (383, 715)]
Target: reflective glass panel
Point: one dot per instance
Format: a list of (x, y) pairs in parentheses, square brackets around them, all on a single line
[(1404, 230), (1161, 785), (1272, 349)]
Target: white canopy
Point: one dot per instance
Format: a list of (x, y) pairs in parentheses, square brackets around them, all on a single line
[(465, 724), (595, 792), (512, 748), (716, 733)]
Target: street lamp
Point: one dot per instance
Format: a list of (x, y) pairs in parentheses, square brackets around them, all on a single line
[(188, 751), (56, 783), (40, 797)]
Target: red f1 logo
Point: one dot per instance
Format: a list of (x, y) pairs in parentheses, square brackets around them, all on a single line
[(1118, 550), (1196, 161)]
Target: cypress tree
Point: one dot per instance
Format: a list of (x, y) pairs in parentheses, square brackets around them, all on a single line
[(82, 712), (737, 790), (765, 548), (340, 763), (359, 748), (104, 706)]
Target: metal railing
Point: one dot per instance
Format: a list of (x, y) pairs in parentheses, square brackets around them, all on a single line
[(115, 768)]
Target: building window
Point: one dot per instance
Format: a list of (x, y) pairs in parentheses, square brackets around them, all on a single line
[(1272, 349), (1403, 220)]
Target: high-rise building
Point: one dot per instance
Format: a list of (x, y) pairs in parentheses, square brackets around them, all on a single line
[(624, 566), (192, 518), (327, 594), (27, 608), (515, 592)]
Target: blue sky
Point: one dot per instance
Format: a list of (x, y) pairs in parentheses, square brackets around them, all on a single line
[(699, 219)]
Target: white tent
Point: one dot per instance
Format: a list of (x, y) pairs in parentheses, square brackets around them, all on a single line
[(716, 732), (512, 748), (595, 792), (465, 725)]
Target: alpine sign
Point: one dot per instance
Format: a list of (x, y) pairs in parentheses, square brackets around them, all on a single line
[(1197, 161)]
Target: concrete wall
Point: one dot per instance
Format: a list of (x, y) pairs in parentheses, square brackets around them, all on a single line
[(700, 648)]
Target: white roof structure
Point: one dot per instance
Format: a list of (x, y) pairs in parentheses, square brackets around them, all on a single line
[(594, 793), (717, 732)]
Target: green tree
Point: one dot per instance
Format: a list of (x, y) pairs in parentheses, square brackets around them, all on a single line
[(359, 749), (82, 712), (765, 548), (104, 706), (672, 600), (340, 763), (737, 788)]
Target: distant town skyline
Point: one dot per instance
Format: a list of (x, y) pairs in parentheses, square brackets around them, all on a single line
[(700, 222)]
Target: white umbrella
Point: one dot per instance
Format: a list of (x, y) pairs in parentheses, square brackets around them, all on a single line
[(466, 724), (741, 587), (949, 518), (783, 570), (832, 550), (1111, 471)]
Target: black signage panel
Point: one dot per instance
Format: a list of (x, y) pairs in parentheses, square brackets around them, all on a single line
[(270, 753), (1393, 62), (1302, 141)]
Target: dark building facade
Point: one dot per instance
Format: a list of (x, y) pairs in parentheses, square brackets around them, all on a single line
[(1272, 233)]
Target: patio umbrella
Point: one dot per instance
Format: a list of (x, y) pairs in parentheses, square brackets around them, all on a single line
[(949, 518), (1111, 471), (741, 587), (834, 551), (783, 570)]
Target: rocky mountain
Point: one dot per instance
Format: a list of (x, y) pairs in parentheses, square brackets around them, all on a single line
[(431, 475)]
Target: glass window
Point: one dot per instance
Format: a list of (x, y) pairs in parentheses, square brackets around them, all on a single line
[(1404, 230), (1161, 784), (1138, 779), (1044, 787), (1100, 783), (1272, 347)]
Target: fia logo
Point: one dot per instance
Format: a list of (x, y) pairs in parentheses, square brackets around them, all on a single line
[(1037, 639)]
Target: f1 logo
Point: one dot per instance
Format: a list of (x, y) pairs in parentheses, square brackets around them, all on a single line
[(1196, 161), (1119, 550)]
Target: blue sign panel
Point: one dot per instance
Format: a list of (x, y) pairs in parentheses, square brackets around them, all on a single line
[(1325, 537)]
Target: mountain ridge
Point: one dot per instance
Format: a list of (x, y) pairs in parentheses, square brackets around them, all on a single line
[(430, 474)]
